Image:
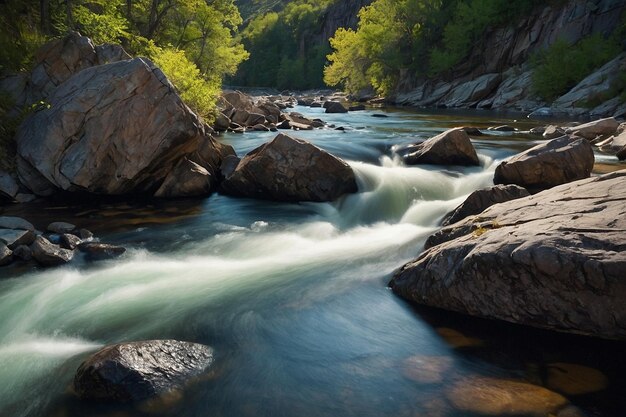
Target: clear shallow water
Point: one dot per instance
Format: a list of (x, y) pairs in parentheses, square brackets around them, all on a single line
[(292, 297)]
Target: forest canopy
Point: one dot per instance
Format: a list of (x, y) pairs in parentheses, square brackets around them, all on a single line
[(192, 40)]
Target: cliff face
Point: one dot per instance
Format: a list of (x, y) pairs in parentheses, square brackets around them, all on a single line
[(342, 14), (497, 74)]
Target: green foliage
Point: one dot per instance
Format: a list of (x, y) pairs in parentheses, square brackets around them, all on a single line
[(20, 36), (101, 20), (197, 92), (281, 51), (467, 25), (391, 38), (561, 66)]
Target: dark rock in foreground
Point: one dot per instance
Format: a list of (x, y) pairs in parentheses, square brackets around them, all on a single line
[(48, 254), (452, 147), (335, 107), (479, 200), (549, 164), (554, 260), (288, 169), (137, 371)]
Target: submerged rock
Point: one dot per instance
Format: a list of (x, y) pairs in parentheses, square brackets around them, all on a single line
[(479, 200), (500, 397), (137, 371), (548, 164), (452, 147), (554, 260), (48, 254), (288, 169), (427, 369), (573, 379)]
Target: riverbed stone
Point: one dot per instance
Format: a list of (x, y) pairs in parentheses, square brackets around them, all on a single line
[(96, 251), (187, 179), (553, 132), (6, 255), (501, 397), (69, 241), (575, 379), (61, 227), (546, 165), (11, 222), (16, 237), (289, 169), (138, 371), (48, 254), (452, 147), (427, 369), (335, 107), (603, 128), (553, 260), (23, 252), (479, 200)]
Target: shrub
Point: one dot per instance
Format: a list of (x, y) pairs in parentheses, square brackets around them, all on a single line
[(561, 66)]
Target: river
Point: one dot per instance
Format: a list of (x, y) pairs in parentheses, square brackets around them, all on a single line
[(292, 297)]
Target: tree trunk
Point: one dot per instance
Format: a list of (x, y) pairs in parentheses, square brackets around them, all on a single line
[(44, 16), (70, 16)]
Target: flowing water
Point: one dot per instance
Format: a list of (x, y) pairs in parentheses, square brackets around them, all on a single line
[(292, 297)]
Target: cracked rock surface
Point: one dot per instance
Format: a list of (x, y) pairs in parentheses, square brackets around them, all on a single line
[(554, 260), (288, 169), (137, 371), (109, 129)]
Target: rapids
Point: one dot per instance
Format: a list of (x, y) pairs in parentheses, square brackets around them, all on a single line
[(292, 297)]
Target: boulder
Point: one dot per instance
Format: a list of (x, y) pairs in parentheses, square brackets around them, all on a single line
[(48, 254), (8, 185), (69, 241), (553, 132), (6, 255), (60, 227), (288, 169), (613, 144), (621, 155), (335, 107), (95, 251), (554, 260), (239, 100), (481, 199), (452, 147), (548, 164), (23, 252), (111, 129), (222, 122), (591, 130), (503, 128), (187, 179), (138, 371), (10, 222), (16, 237)]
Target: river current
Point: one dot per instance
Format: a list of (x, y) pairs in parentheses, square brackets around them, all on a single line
[(292, 297)]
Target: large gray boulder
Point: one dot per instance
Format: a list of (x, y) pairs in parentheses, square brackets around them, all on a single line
[(12, 222), (16, 237), (452, 147), (546, 165), (480, 200), (110, 129), (137, 371), (288, 169), (187, 179), (603, 128), (554, 260)]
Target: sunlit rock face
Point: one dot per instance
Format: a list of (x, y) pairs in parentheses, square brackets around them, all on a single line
[(554, 260)]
